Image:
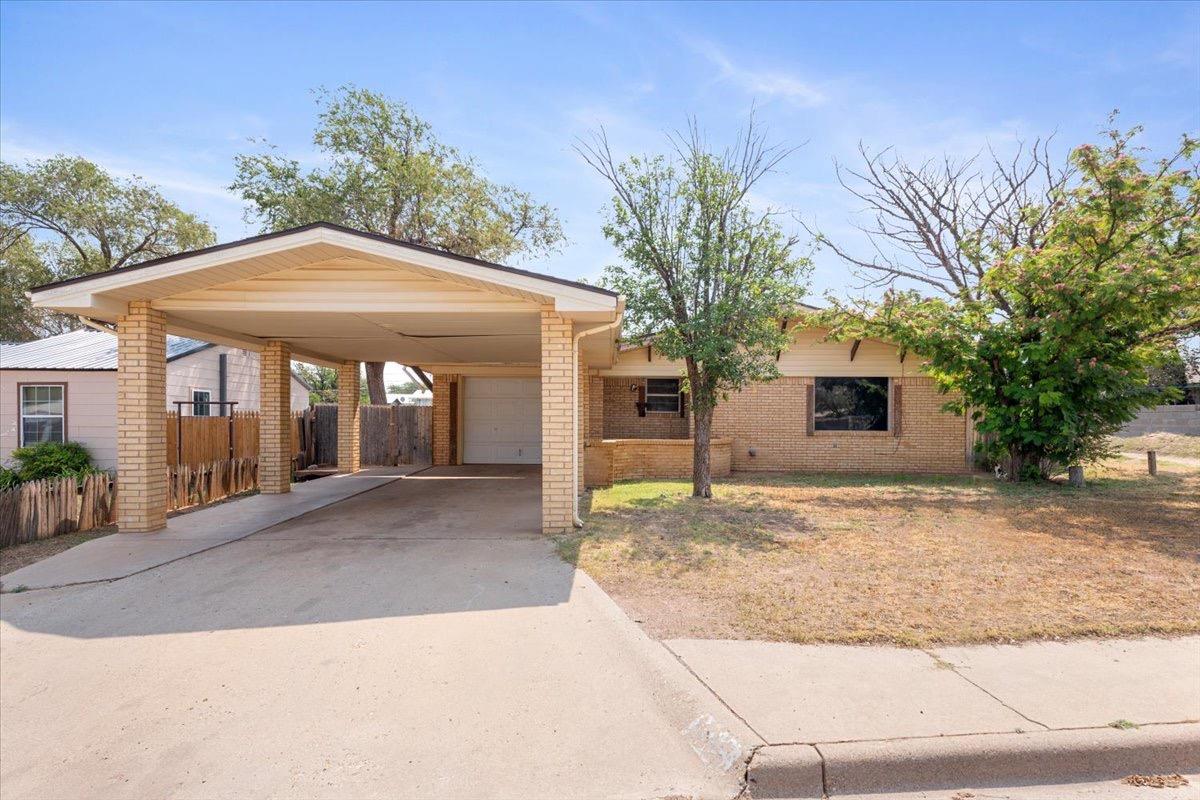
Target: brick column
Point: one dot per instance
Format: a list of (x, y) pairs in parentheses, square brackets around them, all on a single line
[(349, 382), (582, 422), (275, 423), (444, 412), (596, 408), (141, 419), (557, 451)]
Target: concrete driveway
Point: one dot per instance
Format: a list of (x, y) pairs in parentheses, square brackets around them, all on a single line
[(418, 640)]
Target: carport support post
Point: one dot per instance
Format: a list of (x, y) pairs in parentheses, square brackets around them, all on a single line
[(141, 419), (275, 407), (558, 441), (348, 405)]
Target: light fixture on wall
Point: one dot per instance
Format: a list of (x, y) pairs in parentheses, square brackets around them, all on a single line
[(633, 387)]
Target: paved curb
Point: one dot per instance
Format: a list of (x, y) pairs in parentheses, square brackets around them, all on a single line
[(956, 762)]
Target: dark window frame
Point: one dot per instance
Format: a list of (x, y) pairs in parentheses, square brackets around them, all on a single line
[(885, 417), (675, 394), (21, 409)]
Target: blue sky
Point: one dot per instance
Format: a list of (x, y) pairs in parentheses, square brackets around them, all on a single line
[(172, 91)]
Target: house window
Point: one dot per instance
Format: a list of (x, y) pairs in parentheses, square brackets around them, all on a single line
[(851, 404), (200, 400), (662, 394), (43, 413)]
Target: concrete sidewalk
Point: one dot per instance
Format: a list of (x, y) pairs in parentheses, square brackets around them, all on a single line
[(123, 554), (841, 720)]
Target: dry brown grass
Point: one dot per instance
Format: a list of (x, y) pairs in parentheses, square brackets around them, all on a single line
[(1167, 444), (905, 560)]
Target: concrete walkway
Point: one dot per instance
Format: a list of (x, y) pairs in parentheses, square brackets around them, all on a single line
[(420, 640), (843, 720), (123, 554)]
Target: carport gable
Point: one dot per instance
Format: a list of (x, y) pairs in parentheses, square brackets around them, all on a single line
[(336, 294)]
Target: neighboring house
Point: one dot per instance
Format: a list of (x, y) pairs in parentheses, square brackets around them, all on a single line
[(839, 406), (64, 388)]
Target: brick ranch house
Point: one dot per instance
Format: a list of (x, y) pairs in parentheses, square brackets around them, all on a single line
[(527, 369)]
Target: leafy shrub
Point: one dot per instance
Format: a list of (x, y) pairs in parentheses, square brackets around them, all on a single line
[(52, 460), (8, 478)]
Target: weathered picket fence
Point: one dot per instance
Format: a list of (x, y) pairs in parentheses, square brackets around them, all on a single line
[(387, 434), (189, 485), (54, 506)]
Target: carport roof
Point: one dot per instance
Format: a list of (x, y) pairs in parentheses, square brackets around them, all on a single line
[(335, 294), (313, 226)]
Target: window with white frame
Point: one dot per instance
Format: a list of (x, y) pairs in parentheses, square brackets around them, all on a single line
[(200, 403), (43, 413), (662, 394)]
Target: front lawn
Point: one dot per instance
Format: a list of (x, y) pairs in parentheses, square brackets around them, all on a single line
[(906, 560)]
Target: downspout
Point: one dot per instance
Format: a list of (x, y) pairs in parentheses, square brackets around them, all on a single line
[(575, 520)]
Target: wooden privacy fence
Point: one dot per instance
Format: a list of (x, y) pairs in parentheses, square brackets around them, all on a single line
[(207, 439), (387, 435), (392, 434), (54, 506)]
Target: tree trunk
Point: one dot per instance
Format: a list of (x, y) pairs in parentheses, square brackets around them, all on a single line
[(701, 460), (376, 391), (702, 413)]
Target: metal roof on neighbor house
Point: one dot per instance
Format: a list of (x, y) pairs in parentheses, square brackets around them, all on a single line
[(83, 349)]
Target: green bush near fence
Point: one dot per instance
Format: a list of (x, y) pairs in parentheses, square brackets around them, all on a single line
[(48, 460)]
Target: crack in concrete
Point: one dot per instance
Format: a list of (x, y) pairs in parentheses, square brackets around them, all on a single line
[(944, 664)]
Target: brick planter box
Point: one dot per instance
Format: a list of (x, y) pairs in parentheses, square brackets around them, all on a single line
[(609, 460)]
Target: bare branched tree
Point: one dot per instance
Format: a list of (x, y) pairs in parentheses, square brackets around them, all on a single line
[(943, 223), (704, 272)]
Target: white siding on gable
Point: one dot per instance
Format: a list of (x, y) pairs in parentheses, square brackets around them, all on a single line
[(201, 370), (91, 410), (808, 356), (637, 363)]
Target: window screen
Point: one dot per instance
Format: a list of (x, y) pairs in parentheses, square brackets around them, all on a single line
[(201, 408), (43, 414), (851, 404)]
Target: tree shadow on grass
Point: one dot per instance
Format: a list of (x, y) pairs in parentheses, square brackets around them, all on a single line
[(1160, 513)]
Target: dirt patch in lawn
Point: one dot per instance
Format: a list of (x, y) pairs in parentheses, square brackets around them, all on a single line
[(905, 560), (22, 555)]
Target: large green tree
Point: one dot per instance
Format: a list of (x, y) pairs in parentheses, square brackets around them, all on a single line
[(1050, 342), (706, 274), (387, 172), (65, 216)]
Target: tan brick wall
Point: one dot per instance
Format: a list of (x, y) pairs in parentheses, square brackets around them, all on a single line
[(445, 412), (770, 418), (595, 407), (558, 489), (275, 434), (621, 420), (349, 389), (627, 459), (142, 419)]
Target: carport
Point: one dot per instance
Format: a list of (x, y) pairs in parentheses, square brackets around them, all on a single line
[(509, 349)]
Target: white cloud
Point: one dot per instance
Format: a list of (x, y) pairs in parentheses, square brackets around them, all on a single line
[(763, 83)]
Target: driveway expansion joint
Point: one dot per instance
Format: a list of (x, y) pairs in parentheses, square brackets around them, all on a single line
[(720, 699)]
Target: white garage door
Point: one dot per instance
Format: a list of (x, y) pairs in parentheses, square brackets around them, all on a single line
[(502, 421)]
